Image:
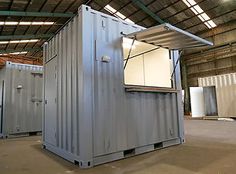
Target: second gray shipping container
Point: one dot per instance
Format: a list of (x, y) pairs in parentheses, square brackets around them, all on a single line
[(21, 99), (90, 115)]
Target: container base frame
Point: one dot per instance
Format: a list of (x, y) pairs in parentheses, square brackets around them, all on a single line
[(98, 160)]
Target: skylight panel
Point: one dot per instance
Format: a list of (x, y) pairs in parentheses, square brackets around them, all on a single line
[(205, 16), (109, 9), (117, 14), (212, 23), (128, 20), (197, 10), (120, 15)]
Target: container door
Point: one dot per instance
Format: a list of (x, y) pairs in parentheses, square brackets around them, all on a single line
[(36, 101), (51, 102)]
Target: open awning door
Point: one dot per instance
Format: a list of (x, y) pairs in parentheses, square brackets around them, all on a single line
[(168, 36)]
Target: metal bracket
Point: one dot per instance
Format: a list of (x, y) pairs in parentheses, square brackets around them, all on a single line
[(127, 59), (176, 63)]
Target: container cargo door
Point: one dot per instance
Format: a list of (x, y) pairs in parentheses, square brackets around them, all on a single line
[(50, 102)]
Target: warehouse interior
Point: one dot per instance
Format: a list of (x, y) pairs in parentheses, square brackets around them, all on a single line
[(181, 76)]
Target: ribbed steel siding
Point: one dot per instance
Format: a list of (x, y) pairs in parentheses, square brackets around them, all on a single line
[(85, 86), (65, 48), (225, 92), (22, 114), (125, 120)]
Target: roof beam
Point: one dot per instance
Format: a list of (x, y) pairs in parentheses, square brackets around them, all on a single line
[(141, 5), (35, 14), (36, 36), (20, 50)]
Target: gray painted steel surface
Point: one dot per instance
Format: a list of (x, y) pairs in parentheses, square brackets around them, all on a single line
[(21, 98), (169, 37), (89, 118), (210, 101)]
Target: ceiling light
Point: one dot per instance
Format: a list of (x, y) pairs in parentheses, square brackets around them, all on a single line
[(19, 41), (11, 23), (22, 52), (14, 41), (25, 23), (117, 14), (4, 42), (197, 10), (48, 23), (37, 23), (23, 41), (33, 40)]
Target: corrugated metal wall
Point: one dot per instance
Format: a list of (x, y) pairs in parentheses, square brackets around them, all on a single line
[(95, 116), (66, 49), (225, 92), (22, 104)]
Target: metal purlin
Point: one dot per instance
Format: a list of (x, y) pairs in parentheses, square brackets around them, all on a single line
[(127, 59)]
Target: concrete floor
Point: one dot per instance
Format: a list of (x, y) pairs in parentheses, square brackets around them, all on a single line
[(210, 148)]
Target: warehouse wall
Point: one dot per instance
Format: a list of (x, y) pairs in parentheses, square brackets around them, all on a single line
[(208, 61)]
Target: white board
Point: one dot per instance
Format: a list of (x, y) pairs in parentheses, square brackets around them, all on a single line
[(197, 101)]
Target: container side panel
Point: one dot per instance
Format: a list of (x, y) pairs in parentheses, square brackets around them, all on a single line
[(23, 98), (95, 116), (65, 48), (124, 120)]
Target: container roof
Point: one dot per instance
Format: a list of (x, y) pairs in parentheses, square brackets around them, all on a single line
[(168, 36)]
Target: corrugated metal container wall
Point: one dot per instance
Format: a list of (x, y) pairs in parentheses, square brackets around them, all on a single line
[(88, 116), (21, 91), (225, 92)]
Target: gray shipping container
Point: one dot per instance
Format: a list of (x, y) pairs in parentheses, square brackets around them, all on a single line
[(89, 116), (21, 99)]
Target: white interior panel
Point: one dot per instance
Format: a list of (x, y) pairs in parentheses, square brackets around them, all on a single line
[(150, 69), (134, 72), (157, 68), (197, 101)]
